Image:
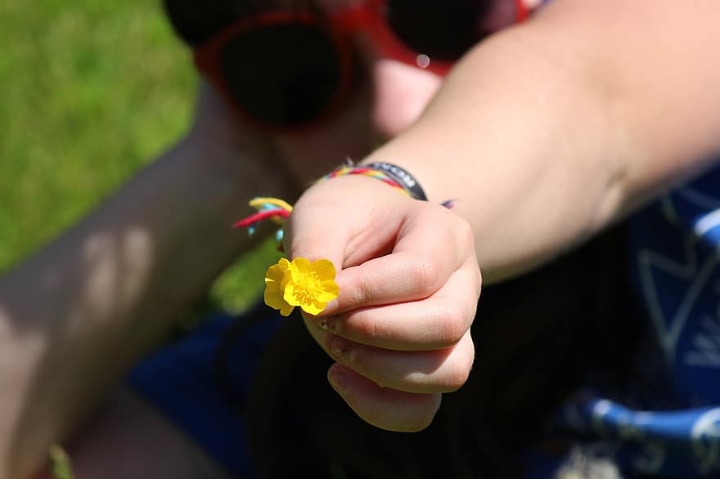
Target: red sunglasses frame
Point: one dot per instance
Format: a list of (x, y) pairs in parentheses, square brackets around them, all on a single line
[(362, 17)]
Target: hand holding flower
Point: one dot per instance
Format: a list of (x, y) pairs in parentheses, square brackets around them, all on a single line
[(408, 289)]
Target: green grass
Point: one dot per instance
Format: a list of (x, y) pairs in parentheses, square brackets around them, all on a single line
[(89, 92)]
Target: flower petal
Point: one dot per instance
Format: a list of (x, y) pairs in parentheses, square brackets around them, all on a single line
[(312, 308), (292, 294), (274, 299), (324, 268), (275, 276), (277, 271)]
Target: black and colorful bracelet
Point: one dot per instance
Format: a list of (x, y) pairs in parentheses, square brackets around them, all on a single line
[(390, 174)]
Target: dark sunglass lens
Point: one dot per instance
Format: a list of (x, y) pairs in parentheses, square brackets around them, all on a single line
[(282, 75), (443, 30)]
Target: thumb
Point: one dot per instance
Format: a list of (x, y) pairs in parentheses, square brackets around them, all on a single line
[(315, 231), (310, 235), (347, 220), (337, 220)]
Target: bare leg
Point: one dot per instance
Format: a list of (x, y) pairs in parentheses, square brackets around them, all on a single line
[(129, 439)]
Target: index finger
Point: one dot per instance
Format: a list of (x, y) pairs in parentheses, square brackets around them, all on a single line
[(429, 248)]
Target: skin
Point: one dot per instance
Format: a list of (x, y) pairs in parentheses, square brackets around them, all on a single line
[(564, 125)]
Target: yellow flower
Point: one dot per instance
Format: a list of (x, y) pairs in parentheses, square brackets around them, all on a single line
[(300, 282)]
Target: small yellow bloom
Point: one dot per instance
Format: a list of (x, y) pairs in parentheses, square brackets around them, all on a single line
[(300, 282), (275, 283)]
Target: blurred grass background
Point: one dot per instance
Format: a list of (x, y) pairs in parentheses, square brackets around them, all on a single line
[(90, 91)]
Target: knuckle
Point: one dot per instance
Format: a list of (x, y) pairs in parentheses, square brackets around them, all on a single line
[(466, 236), (456, 382), (360, 294), (462, 233), (478, 281), (459, 365), (423, 274), (422, 416), (452, 324), (417, 424), (457, 376)]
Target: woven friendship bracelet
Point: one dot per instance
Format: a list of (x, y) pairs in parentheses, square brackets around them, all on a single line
[(400, 175), (390, 174), (278, 210)]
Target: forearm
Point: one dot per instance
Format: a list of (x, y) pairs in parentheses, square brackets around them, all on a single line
[(552, 130), (79, 313)]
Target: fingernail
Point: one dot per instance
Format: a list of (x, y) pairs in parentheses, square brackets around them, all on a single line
[(339, 381), (340, 349), (326, 323)]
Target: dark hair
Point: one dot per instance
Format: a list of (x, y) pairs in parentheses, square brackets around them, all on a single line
[(535, 338)]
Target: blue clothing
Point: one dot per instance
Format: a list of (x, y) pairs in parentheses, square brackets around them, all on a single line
[(669, 424), (182, 380)]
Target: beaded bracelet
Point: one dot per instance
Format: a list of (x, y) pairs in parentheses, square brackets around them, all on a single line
[(388, 173)]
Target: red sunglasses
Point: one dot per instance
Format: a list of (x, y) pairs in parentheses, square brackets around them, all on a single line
[(286, 69)]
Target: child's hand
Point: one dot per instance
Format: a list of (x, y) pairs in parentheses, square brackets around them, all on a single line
[(409, 286)]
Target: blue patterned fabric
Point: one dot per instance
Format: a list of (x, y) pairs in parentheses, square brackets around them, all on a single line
[(668, 423)]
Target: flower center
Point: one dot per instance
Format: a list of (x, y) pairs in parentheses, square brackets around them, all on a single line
[(307, 288)]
